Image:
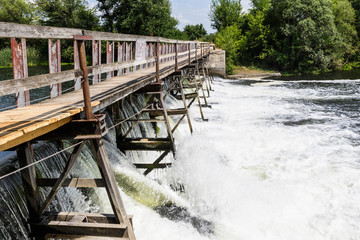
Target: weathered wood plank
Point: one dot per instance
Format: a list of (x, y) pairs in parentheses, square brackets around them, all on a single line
[(76, 228), (72, 182), (157, 144), (82, 237), (15, 30), (24, 84), (152, 165)]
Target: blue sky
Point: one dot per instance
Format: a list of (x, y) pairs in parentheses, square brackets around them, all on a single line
[(192, 12)]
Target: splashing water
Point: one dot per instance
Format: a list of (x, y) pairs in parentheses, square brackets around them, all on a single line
[(276, 160)]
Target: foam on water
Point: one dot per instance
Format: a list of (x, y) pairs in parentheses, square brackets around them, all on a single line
[(275, 160), (257, 177)]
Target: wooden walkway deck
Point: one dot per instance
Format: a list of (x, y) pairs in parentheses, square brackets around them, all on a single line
[(23, 124)]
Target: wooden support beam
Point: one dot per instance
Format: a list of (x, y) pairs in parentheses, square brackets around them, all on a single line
[(139, 120), (188, 96), (72, 182), (152, 165), (59, 182), (78, 129), (157, 161), (79, 228), (111, 186), (152, 87), (81, 237), (145, 144)]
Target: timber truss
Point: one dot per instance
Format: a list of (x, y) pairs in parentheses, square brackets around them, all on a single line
[(73, 225), (184, 85)]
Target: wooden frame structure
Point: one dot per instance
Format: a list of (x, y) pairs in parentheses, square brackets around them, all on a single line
[(124, 54)]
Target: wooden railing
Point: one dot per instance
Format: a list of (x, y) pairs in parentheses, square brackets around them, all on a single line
[(124, 53)]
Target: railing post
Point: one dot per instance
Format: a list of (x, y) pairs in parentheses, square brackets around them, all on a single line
[(120, 57), (196, 52), (110, 57), (20, 69), (201, 45), (96, 59), (157, 61), (54, 65), (176, 57), (140, 51), (85, 82), (189, 46), (77, 81)]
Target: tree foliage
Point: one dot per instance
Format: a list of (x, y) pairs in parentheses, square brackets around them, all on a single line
[(297, 35), (228, 39), (19, 11), (144, 17), (225, 13), (67, 13), (194, 32)]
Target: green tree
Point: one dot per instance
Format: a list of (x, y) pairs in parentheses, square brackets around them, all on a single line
[(304, 33), (144, 17), (17, 11), (228, 39), (260, 5), (347, 35), (254, 44), (194, 32), (356, 5), (67, 13), (224, 13)]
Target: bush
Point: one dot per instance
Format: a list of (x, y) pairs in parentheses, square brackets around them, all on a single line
[(228, 39), (33, 57), (5, 57)]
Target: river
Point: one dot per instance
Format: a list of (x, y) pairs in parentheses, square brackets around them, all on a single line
[(276, 159)]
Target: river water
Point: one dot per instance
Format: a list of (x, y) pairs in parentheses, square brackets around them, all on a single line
[(275, 160)]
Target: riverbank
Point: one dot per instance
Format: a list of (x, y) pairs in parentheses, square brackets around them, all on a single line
[(251, 72)]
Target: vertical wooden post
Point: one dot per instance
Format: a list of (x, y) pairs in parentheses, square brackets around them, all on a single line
[(77, 81), (128, 55), (110, 57), (28, 175), (20, 69), (54, 65), (111, 186), (189, 46), (196, 52), (140, 50), (176, 57), (157, 45), (120, 56), (85, 82), (185, 105), (96, 59)]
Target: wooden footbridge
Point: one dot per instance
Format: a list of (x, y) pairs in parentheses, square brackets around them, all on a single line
[(141, 66)]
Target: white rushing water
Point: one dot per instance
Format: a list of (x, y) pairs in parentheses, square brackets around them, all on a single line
[(274, 161)]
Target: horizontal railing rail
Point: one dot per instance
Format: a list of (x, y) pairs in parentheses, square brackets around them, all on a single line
[(124, 53)]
